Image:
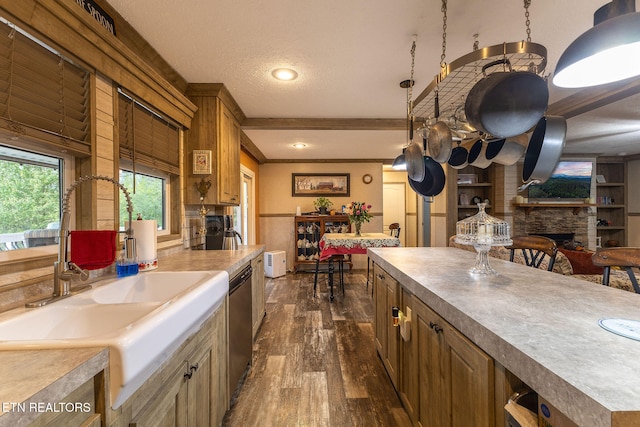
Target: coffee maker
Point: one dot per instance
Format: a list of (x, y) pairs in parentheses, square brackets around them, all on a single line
[(231, 236)]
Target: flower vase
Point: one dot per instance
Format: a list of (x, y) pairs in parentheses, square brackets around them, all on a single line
[(357, 225)]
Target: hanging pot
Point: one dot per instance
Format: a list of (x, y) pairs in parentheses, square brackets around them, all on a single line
[(506, 104), (507, 151), (544, 150), (415, 164), (434, 180), (478, 155), (458, 158), (440, 142)]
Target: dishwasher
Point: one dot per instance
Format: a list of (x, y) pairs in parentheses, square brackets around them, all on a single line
[(240, 327)]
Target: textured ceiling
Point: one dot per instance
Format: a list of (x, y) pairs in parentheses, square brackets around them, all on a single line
[(351, 57)]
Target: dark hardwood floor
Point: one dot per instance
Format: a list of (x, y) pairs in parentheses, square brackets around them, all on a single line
[(315, 362)]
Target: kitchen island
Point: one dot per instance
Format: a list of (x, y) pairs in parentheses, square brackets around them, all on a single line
[(540, 326), (53, 377)]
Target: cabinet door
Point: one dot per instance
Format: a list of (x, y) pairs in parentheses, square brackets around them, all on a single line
[(387, 336), (429, 369), (169, 406), (409, 381), (467, 381), (257, 293), (199, 391), (229, 157)]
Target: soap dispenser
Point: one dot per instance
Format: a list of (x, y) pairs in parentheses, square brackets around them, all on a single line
[(127, 263)]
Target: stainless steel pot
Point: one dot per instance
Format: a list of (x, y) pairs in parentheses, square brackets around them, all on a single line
[(478, 155), (506, 104), (507, 151), (458, 157), (440, 142), (544, 150), (415, 164)]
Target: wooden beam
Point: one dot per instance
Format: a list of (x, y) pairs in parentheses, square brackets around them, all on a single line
[(324, 124), (247, 145), (589, 99)]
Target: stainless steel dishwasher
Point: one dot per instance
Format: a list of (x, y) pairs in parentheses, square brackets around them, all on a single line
[(240, 339)]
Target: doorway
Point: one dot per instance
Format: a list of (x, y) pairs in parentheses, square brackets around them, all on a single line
[(244, 215), (393, 207)]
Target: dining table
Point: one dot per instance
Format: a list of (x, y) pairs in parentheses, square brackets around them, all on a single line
[(336, 245)]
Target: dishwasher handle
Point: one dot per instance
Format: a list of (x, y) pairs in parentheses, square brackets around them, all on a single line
[(240, 278)]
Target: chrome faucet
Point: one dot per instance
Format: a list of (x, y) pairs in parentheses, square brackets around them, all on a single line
[(64, 269)]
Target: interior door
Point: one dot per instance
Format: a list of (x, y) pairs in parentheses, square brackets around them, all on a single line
[(245, 213), (393, 207)]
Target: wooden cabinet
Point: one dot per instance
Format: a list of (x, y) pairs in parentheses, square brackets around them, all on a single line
[(611, 197), (309, 229), (442, 378), (387, 337), (257, 293), (85, 395), (190, 389), (215, 127)]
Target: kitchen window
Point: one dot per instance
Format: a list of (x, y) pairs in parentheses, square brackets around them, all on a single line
[(30, 197), (150, 197)]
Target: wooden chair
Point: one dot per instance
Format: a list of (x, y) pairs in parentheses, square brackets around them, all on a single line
[(627, 258), (394, 230), (534, 249)]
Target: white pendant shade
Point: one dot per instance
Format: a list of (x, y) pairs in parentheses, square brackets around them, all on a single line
[(608, 52)]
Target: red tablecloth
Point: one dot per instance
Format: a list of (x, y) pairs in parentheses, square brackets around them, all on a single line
[(348, 243)]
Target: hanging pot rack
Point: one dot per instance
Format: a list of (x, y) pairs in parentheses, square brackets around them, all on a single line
[(458, 77)]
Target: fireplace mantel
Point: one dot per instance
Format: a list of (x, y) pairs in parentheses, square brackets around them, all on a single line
[(529, 207)]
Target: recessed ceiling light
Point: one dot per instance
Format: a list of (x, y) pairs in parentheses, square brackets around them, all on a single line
[(284, 74), (299, 145)]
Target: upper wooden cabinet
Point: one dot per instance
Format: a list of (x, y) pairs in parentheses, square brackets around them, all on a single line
[(215, 127)]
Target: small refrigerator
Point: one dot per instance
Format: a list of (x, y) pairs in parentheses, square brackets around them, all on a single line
[(275, 263)]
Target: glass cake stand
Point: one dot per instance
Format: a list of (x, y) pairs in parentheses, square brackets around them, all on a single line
[(483, 231)]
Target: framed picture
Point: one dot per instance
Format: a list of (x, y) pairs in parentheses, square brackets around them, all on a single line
[(317, 184), (201, 162)]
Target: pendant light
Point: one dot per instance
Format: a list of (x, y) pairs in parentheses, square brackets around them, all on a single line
[(606, 53)]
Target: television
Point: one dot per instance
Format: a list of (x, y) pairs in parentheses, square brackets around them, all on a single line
[(569, 180)]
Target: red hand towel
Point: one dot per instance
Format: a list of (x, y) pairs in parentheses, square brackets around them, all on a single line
[(93, 249)]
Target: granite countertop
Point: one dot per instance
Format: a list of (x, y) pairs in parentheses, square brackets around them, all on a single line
[(49, 375), (37, 377), (196, 260), (541, 326)]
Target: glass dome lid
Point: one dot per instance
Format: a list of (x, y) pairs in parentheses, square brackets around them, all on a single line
[(483, 231)]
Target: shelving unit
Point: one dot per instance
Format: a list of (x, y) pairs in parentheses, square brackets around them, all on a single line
[(309, 229), (610, 201), (482, 188)]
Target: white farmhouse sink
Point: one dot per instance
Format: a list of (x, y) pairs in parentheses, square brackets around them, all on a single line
[(142, 319)]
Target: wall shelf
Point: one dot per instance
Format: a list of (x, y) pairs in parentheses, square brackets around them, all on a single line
[(529, 207)]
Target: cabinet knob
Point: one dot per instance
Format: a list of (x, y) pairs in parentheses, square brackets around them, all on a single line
[(435, 327), (190, 371)]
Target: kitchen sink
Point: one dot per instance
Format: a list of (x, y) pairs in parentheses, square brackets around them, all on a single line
[(143, 319)]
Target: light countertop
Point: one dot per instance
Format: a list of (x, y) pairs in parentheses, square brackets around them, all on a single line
[(49, 375), (541, 326)]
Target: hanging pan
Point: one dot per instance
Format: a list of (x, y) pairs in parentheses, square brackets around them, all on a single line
[(434, 179), (544, 150), (440, 137), (507, 151), (478, 154), (506, 103), (459, 155), (413, 158)]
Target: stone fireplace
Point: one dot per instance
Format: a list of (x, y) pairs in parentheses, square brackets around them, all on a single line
[(556, 221)]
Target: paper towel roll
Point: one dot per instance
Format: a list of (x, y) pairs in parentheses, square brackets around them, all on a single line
[(145, 232)]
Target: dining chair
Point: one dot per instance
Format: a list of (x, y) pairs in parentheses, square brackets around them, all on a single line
[(394, 230), (339, 259), (534, 249), (626, 258)]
